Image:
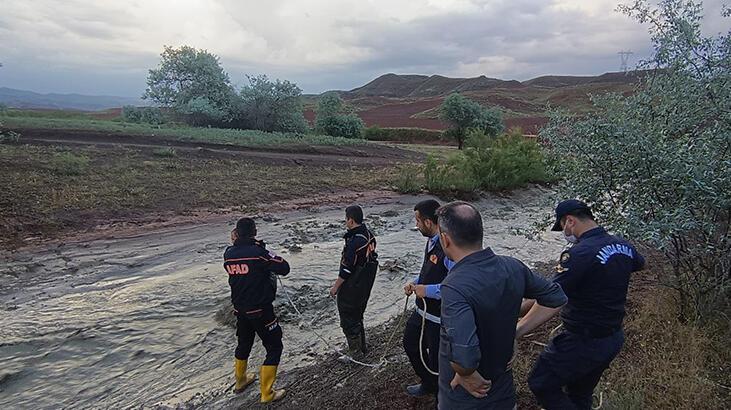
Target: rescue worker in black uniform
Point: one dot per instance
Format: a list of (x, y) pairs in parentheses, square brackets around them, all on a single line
[(358, 268), (594, 273), (251, 269), (427, 287)]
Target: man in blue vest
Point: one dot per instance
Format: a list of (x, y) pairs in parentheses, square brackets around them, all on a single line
[(428, 303), (594, 273)]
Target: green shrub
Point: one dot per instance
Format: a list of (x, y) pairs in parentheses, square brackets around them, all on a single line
[(142, 115), (342, 125), (334, 119), (8, 137), (408, 179), (67, 163), (452, 178), (656, 165), (165, 152), (506, 162), (375, 133)]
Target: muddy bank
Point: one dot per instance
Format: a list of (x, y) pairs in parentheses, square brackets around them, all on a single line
[(140, 321), (310, 154)]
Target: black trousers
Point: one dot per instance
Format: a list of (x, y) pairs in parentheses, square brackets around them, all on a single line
[(430, 348), (576, 363), (262, 322), (352, 300)]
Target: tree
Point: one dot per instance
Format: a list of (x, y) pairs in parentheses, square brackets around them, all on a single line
[(186, 74), (463, 114), (272, 105), (656, 165), (333, 120)]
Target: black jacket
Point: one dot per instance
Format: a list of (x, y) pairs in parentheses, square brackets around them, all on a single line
[(433, 271), (250, 267), (595, 274), (360, 247)]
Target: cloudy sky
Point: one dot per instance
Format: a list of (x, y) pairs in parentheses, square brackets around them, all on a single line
[(106, 47)]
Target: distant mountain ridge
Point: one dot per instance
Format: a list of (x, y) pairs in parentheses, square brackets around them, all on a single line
[(422, 86), (27, 99)]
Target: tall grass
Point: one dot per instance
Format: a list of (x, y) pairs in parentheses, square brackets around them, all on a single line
[(180, 132)]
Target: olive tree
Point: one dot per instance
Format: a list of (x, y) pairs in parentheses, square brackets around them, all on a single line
[(193, 83), (272, 105), (463, 114), (656, 165)]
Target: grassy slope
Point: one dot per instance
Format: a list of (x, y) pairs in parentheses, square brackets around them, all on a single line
[(177, 132)]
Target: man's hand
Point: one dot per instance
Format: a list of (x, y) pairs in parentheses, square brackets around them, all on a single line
[(475, 384), (420, 290), (409, 288), (336, 286)]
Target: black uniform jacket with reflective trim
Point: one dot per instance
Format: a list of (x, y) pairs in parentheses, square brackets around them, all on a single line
[(360, 248), (250, 268)]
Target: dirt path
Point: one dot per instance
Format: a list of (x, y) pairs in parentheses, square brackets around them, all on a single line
[(365, 154)]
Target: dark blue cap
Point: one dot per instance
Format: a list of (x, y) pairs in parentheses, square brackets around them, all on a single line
[(564, 208)]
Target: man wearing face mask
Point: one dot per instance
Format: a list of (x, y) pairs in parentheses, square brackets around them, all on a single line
[(358, 268), (594, 273)]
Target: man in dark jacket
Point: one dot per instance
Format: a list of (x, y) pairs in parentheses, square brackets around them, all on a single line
[(250, 268), (358, 267), (595, 275), (423, 348), (481, 300)]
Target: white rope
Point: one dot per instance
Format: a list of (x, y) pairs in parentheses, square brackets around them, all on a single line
[(421, 340)]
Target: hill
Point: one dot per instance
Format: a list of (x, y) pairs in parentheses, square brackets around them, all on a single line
[(413, 101), (27, 99)]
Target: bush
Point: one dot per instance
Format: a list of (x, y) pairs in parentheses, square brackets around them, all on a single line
[(165, 152), (507, 162), (8, 137), (656, 165), (375, 133), (67, 163), (451, 178), (408, 179), (142, 115), (342, 125), (332, 118)]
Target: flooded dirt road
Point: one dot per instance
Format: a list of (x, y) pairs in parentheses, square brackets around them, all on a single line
[(140, 321)]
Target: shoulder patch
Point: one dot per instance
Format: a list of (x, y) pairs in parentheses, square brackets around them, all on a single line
[(560, 268)]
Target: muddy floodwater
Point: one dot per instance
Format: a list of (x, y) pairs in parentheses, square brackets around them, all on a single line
[(143, 321)]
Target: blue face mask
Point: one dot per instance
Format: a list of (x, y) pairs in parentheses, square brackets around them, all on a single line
[(570, 238)]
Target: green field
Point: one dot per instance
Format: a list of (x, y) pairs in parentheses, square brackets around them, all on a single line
[(16, 119)]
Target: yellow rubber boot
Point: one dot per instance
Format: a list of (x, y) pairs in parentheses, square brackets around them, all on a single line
[(267, 375), (243, 379)]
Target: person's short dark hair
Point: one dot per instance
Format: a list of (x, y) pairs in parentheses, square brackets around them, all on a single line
[(583, 214), (462, 222), (355, 213), (428, 209), (246, 228)]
